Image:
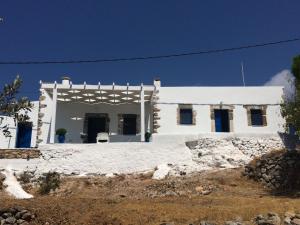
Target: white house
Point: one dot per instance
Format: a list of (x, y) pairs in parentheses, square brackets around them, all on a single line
[(22, 135), (127, 112)]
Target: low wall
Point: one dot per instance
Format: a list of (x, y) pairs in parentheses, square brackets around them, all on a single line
[(277, 170), (249, 146), (19, 153)]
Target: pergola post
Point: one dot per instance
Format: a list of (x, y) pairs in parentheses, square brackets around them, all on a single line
[(142, 114), (53, 118)]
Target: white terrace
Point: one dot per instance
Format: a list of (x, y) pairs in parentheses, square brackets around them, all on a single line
[(122, 111)]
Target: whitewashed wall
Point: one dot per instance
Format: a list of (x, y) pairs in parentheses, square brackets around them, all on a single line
[(11, 142), (65, 111), (8, 142), (202, 97), (169, 97)]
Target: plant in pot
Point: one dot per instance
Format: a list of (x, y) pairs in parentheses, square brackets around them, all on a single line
[(147, 136), (61, 135)]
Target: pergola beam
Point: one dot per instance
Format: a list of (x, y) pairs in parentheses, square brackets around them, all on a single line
[(53, 117), (142, 101), (95, 87)]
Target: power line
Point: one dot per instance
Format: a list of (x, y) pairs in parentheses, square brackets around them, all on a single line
[(153, 57)]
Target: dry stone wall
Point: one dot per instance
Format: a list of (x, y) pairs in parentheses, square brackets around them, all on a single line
[(19, 153), (277, 170)]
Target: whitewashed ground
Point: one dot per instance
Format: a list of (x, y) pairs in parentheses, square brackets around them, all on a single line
[(83, 159), (88, 159)]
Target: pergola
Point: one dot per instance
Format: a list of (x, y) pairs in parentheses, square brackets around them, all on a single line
[(98, 94)]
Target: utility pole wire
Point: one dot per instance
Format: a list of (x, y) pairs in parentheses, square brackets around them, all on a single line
[(151, 57)]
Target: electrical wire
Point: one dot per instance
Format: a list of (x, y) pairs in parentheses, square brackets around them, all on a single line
[(153, 57)]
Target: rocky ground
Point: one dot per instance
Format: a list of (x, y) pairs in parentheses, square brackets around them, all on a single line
[(214, 197)]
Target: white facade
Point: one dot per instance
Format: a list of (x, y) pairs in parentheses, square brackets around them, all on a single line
[(201, 98), (156, 109), (11, 142)]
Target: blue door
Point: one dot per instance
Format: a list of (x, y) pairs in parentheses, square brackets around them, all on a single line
[(221, 120), (24, 133), (218, 120)]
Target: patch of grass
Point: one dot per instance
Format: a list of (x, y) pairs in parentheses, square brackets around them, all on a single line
[(49, 182)]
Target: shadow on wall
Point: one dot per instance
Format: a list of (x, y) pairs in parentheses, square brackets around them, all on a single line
[(290, 141)]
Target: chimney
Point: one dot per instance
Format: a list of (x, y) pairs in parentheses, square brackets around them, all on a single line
[(65, 80), (157, 82)]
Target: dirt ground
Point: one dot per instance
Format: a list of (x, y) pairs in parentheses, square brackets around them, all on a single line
[(216, 196)]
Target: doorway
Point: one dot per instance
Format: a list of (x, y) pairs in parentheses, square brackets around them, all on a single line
[(24, 133), (221, 120), (129, 124), (95, 125)]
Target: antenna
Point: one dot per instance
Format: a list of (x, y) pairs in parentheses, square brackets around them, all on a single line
[(243, 74)]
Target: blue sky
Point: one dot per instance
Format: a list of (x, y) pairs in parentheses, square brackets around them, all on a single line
[(65, 29)]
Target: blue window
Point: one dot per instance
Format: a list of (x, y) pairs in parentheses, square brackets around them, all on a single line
[(186, 116), (256, 117)]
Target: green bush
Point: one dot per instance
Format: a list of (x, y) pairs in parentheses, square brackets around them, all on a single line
[(61, 132), (48, 182)]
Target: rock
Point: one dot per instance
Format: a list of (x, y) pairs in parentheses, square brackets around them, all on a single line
[(25, 223), (20, 221), (202, 190), (26, 216), (233, 223), (18, 215), (206, 223), (199, 189), (6, 215), (12, 211), (274, 218), (170, 193), (296, 221), (206, 192), (290, 214), (24, 211), (166, 223), (18, 208), (270, 219), (287, 221), (10, 220)]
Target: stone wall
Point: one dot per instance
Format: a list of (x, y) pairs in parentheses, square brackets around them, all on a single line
[(277, 170), (249, 146), (19, 153), (257, 146)]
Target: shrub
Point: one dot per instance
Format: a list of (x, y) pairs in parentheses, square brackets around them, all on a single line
[(48, 182), (61, 132), (2, 178), (25, 177)]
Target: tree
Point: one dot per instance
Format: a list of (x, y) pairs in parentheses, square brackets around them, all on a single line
[(13, 106), (290, 110)]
